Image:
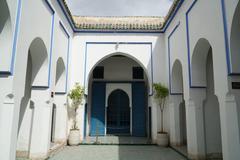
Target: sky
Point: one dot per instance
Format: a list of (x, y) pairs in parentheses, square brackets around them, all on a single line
[(119, 7)]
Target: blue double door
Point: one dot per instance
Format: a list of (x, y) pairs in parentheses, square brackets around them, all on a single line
[(117, 117)]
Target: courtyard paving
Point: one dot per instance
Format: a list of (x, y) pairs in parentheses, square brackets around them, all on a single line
[(117, 152)]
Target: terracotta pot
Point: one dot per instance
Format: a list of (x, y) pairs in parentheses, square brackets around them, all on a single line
[(74, 137), (162, 139)]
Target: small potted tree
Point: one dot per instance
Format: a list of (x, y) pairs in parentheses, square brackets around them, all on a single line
[(160, 94), (76, 95)]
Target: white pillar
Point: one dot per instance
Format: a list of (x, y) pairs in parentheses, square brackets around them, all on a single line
[(175, 126), (61, 120), (80, 120), (195, 124), (9, 114), (154, 119), (41, 132), (230, 128), (25, 128)]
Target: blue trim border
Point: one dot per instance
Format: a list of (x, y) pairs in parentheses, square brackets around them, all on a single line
[(15, 38), (169, 60), (188, 46), (60, 3), (51, 45), (226, 40), (68, 51), (172, 16), (128, 43)]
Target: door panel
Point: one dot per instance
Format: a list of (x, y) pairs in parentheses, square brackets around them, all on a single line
[(98, 109), (138, 109)]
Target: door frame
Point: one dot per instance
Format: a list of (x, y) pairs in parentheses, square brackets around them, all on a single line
[(126, 87)]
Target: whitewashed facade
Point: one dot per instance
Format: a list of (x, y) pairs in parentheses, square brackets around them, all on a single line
[(196, 55)]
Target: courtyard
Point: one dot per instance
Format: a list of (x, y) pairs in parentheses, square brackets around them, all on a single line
[(117, 152), (119, 79)]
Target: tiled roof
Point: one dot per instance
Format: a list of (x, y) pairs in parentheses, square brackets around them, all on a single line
[(119, 23), (141, 23)]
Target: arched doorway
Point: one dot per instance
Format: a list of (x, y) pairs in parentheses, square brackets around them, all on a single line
[(203, 95), (178, 111), (118, 113), (121, 74)]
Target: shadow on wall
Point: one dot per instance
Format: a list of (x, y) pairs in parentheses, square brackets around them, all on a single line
[(211, 107), (183, 123), (5, 34), (60, 81), (35, 72), (27, 94), (5, 15), (26, 116)]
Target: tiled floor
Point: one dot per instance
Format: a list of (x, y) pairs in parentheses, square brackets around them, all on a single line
[(116, 140), (117, 152)]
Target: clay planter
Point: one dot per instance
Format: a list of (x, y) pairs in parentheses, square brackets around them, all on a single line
[(162, 139), (74, 137)]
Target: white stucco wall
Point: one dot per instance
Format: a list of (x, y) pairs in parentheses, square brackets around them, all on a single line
[(204, 20), (135, 46), (95, 52), (31, 25)]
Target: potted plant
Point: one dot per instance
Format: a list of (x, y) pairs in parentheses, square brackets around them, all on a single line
[(76, 95), (160, 94)]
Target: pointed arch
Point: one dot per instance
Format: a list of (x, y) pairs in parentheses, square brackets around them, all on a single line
[(199, 62), (148, 78), (177, 78)]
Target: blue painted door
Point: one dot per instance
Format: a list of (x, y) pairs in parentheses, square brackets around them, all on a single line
[(98, 109), (118, 113), (139, 109)]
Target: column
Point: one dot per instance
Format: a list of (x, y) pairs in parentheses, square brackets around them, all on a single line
[(175, 119), (229, 128), (195, 124), (41, 131), (9, 113), (155, 115), (61, 121)]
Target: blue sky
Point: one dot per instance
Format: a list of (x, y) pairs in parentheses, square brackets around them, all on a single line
[(119, 7)]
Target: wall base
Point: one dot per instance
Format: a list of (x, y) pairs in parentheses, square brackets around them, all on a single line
[(22, 154), (196, 157)]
